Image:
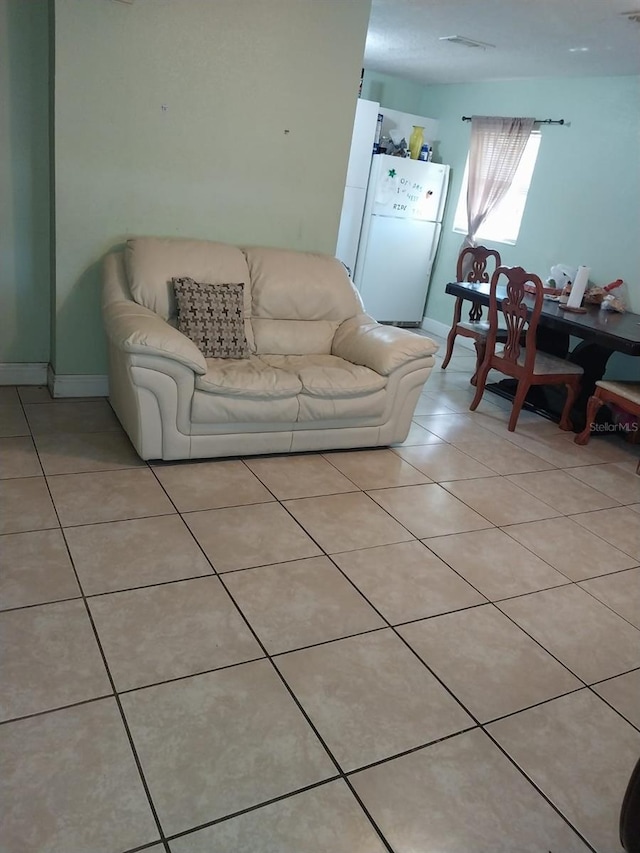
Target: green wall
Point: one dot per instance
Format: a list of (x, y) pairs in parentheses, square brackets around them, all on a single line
[(217, 163), (24, 182)]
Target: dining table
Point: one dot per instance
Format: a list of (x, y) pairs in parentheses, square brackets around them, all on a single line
[(600, 333)]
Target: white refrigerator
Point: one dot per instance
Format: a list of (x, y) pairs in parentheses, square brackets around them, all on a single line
[(355, 191), (400, 232)]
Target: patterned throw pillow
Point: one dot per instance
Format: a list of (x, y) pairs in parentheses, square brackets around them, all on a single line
[(211, 315)]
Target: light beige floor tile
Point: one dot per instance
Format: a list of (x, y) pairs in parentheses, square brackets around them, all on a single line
[(12, 420), (461, 795), (459, 400), (622, 692), (326, 818), (125, 554), (108, 496), (581, 754), (76, 453), (581, 632), (500, 501), (70, 783), (562, 491), (431, 405), (35, 394), (218, 743), (290, 605), (419, 435), (211, 485), (501, 456), (429, 510), (488, 663), (85, 416), (620, 592), (376, 469), (9, 396), (618, 526), (557, 451), (450, 427), (50, 658), (364, 718), (406, 581), (25, 505), (247, 536), (162, 632), (299, 476), (18, 458), (570, 548), (35, 568), (613, 479), (610, 448), (347, 522), (463, 363), (443, 462), (494, 564)]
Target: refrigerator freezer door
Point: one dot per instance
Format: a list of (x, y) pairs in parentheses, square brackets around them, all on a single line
[(409, 189), (361, 152), (393, 276), (350, 225)]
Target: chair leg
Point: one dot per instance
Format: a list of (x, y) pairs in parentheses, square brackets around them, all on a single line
[(481, 348), (518, 402), (592, 409), (572, 393), (481, 380), (451, 337)]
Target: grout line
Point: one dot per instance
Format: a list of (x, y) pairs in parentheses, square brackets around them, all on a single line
[(112, 683), (270, 658)]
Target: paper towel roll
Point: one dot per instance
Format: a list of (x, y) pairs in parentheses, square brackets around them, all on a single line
[(578, 288)]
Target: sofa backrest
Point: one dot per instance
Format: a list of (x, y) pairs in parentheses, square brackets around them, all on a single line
[(294, 301), (298, 300)]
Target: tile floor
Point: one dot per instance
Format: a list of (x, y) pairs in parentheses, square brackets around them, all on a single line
[(430, 648)]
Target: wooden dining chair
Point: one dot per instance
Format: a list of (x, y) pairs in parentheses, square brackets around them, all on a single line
[(518, 356), (475, 264), (626, 395)]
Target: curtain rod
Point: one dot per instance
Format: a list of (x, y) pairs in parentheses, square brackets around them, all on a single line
[(535, 121)]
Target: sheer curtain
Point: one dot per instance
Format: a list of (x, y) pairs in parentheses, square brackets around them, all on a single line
[(497, 145)]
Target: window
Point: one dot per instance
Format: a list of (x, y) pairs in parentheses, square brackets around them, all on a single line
[(503, 223)]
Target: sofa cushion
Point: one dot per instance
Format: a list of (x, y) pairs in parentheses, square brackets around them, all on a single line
[(328, 376), (211, 315), (248, 414), (318, 412), (250, 377), (151, 263), (292, 285), (294, 337)]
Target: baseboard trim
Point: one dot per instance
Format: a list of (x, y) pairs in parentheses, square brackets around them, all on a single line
[(23, 373), (442, 330), (77, 384)]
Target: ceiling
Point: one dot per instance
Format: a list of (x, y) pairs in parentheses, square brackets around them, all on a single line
[(532, 38)]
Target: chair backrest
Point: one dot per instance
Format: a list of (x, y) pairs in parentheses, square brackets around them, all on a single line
[(473, 261), (514, 310)]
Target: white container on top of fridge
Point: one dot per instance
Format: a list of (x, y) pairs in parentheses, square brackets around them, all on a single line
[(400, 232)]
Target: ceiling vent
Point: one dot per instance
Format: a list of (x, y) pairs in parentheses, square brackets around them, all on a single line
[(466, 42)]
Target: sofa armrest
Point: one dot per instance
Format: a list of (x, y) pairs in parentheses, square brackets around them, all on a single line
[(135, 329), (361, 340)]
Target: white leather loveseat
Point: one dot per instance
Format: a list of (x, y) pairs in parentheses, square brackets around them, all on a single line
[(321, 374)]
